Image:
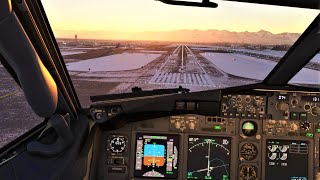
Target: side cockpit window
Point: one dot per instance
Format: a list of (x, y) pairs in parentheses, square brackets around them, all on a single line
[(16, 115), (309, 76)]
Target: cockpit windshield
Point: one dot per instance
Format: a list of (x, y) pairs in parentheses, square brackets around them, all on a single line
[(113, 46)]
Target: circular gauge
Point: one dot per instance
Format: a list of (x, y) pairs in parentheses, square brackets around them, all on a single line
[(249, 128), (248, 172), (248, 151), (118, 144), (305, 126)]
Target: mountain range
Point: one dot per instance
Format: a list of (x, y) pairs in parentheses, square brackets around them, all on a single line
[(200, 36)]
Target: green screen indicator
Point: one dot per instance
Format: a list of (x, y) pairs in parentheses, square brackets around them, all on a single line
[(309, 135), (217, 127), (190, 176), (225, 177)]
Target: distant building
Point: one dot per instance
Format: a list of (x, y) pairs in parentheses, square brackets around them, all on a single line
[(76, 37)]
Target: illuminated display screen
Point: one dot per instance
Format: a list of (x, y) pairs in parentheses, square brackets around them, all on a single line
[(283, 97), (286, 160), (209, 157), (156, 156), (310, 98)]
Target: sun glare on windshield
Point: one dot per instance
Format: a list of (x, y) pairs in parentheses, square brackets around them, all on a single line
[(112, 46)]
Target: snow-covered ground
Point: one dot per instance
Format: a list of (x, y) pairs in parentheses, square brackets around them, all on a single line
[(274, 53), (145, 51), (306, 76), (204, 48), (117, 62), (255, 68), (241, 65), (65, 53), (316, 58), (268, 52)]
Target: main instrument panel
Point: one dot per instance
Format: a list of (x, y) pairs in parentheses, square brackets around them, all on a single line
[(270, 135)]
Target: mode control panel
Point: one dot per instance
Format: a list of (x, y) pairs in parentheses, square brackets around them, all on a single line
[(294, 106), (205, 124), (184, 123)]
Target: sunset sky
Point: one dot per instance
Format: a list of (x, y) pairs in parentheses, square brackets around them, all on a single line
[(150, 15)]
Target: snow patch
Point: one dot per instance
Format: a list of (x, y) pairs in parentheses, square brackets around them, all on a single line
[(65, 53), (241, 65), (118, 62), (145, 51), (255, 68)]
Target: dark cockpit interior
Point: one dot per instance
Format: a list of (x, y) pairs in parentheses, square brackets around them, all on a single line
[(185, 115)]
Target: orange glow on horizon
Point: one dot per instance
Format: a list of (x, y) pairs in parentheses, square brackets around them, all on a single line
[(102, 19)]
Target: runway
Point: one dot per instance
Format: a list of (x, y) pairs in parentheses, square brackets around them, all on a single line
[(182, 67)]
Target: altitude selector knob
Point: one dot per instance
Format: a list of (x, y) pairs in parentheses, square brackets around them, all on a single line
[(305, 126)]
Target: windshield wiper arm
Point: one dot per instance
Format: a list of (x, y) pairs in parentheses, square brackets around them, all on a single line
[(138, 92), (204, 3)]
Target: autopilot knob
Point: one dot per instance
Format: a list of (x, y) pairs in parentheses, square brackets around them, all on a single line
[(294, 127), (282, 106), (177, 124), (192, 125)]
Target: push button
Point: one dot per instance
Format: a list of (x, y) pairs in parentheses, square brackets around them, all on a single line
[(294, 116), (303, 116), (116, 169), (118, 161)]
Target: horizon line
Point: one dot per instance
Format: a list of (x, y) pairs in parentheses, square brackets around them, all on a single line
[(180, 30)]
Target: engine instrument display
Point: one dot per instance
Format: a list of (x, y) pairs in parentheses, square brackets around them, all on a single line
[(286, 159), (208, 157), (156, 156)]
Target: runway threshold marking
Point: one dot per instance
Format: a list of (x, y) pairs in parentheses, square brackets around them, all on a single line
[(196, 79)]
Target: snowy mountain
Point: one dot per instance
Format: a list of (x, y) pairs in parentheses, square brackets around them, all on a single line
[(199, 36), (218, 36)]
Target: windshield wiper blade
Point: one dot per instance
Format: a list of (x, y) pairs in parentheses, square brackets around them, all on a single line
[(204, 3), (138, 92)]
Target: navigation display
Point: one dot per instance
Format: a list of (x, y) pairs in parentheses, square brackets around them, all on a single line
[(156, 156), (209, 157), (286, 159)]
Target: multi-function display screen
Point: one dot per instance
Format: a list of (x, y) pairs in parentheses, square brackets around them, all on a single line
[(209, 157), (156, 156), (286, 160)]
